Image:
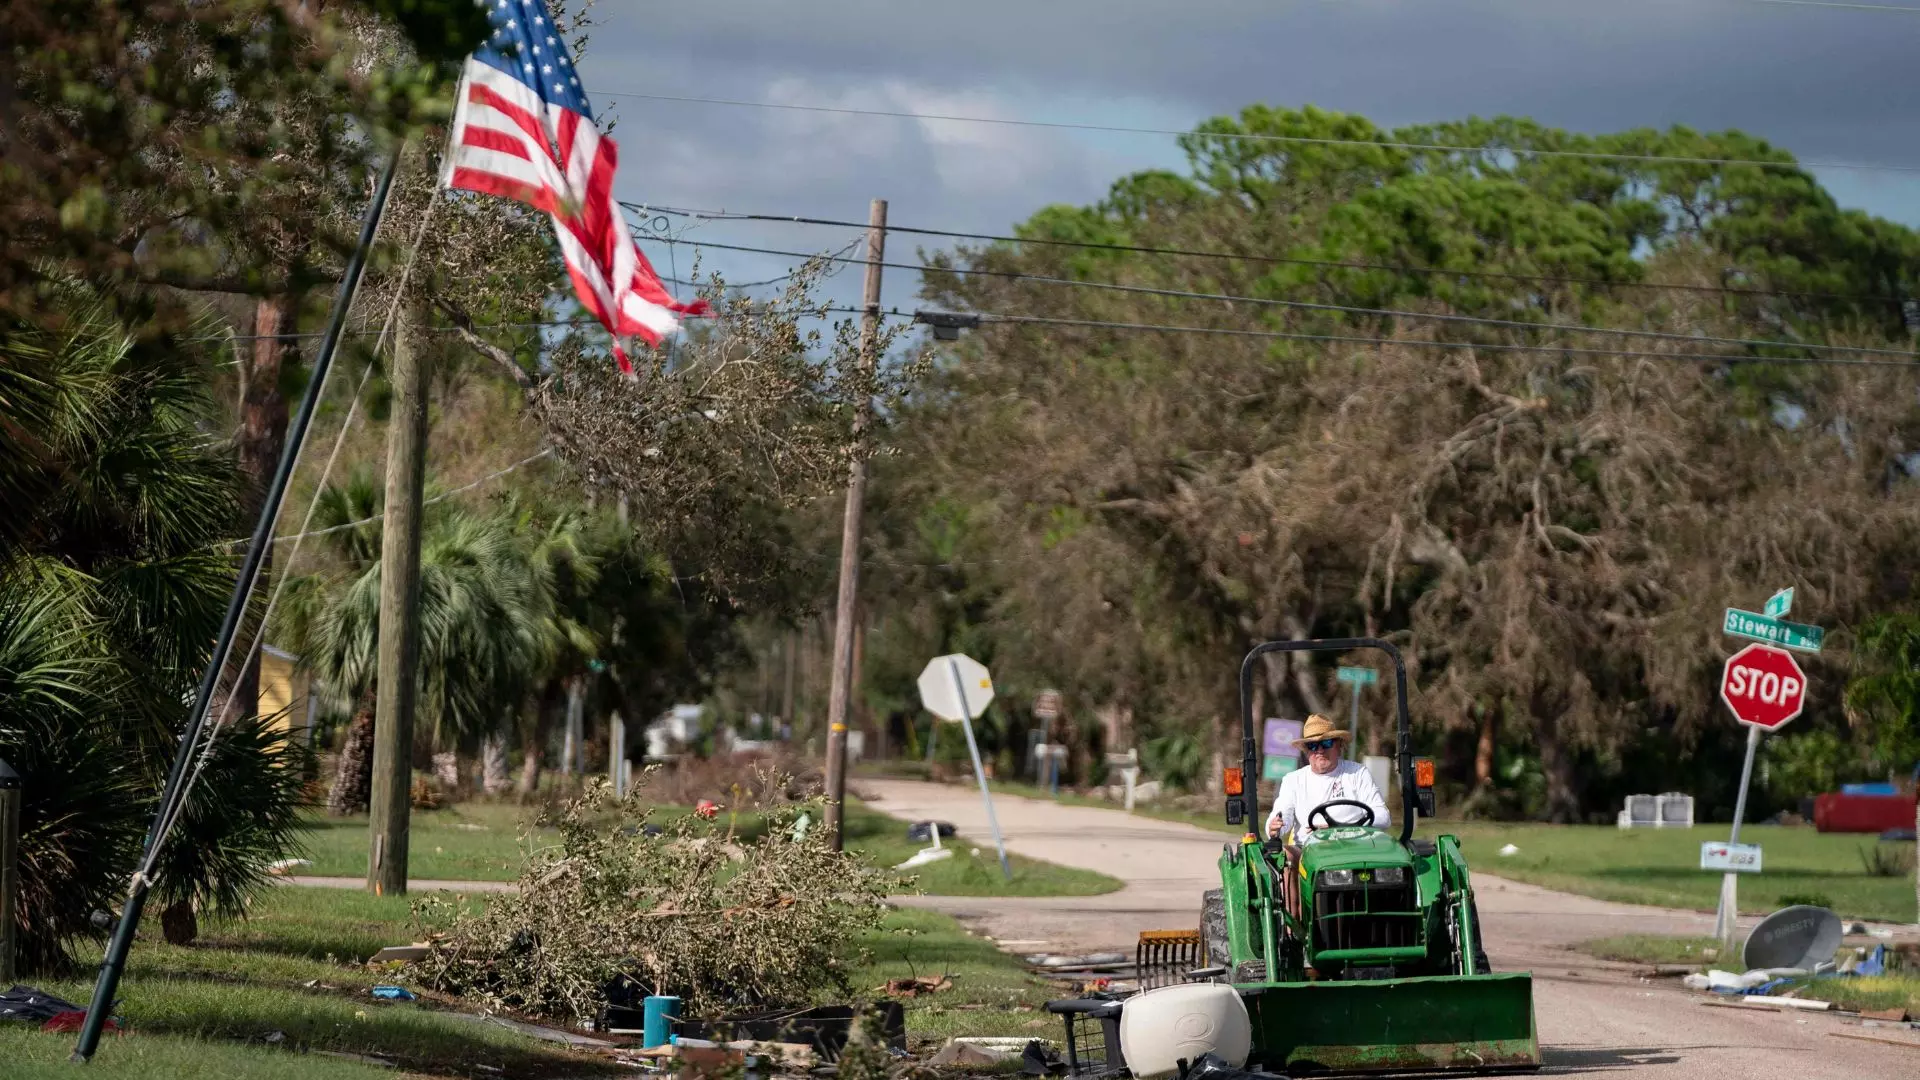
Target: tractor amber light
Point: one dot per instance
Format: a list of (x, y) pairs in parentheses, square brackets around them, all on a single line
[(1234, 784), (1423, 774)]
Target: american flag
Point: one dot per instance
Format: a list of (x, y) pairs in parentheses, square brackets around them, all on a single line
[(522, 129)]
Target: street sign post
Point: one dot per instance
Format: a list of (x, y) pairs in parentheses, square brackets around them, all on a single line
[(1765, 689), (1356, 677), (958, 687), (1759, 627), (1276, 767)]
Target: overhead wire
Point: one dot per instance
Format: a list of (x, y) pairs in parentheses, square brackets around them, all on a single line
[(1296, 140), (442, 497), (1305, 305), (211, 738), (1332, 264), (990, 317)]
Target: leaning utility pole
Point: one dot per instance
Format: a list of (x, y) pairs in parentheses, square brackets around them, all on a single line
[(842, 675), (398, 676)]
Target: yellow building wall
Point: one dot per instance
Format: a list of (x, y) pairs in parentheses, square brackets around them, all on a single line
[(283, 692)]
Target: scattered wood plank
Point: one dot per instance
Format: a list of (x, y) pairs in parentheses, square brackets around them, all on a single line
[(1908, 1043)]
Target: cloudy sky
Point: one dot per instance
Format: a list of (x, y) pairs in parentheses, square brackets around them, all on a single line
[(1828, 82)]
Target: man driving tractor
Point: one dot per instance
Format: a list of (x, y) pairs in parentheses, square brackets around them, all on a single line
[(1327, 778)]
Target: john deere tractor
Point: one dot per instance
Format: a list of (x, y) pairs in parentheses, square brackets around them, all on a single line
[(1357, 949)]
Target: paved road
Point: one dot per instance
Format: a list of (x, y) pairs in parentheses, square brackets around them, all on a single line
[(1593, 1016)]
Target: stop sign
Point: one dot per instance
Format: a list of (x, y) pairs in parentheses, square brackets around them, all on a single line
[(1764, 686)]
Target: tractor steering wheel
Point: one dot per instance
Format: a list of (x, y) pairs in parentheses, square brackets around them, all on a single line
[(1322, 811)]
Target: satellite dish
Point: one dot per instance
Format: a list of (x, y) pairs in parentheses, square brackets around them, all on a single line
[(1801, 936)]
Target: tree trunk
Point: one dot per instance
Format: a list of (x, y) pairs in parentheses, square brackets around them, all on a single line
[(353, 773), (529, 771), (1483, 753), (178, 924), (261, 440), (1556, 762), (493, 765)]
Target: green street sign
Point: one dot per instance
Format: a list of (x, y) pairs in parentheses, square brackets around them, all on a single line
[(1780, 603), (1358, 676), (1276, 767), (1752, 624)]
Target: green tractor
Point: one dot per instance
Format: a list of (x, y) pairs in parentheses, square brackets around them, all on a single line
[(1358, 950)]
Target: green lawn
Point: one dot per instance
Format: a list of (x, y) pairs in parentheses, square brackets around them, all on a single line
[(1662, 866), (485, 842), (293, 967), (30, 1055), (992, 992), (470, 842), (262, 996)]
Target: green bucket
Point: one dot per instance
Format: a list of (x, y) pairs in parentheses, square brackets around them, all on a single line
[(1439, 1023)]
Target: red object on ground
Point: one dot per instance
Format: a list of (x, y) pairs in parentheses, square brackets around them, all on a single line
[(1834, 812), (706, 808), (70, 1021)]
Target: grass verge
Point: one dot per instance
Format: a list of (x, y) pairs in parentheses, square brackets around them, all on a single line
[(992, 994), (32, 1055), (1859, 993), (1654, 949), (274, 994), (485, 842), (1662, 866)]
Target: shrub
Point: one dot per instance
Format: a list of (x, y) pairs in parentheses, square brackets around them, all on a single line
[(681, 908), (1887, 860)]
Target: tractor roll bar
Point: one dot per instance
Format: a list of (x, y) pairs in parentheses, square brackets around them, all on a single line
[(1403, 754)]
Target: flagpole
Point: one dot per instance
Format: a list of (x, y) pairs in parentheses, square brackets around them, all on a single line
[(116, 958)]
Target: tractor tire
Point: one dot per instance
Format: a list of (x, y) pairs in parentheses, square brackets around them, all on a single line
[(1213, 929)]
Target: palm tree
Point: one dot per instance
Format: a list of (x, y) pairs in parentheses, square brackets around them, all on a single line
[(112, 586), (483, 626)]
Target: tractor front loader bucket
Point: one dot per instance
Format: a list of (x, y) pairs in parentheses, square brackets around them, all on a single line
[(1438, 1023), (1164, 957)]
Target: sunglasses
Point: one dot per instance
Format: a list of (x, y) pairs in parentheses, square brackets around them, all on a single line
[(1320, 744)]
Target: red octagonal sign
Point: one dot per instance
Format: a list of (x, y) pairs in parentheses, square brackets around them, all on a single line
[(1764, 686)]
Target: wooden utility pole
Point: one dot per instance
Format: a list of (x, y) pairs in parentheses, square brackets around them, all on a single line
[(843, 614), (399, 616)]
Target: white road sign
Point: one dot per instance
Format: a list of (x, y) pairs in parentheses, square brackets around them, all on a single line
[(940, 694), (1740, 858)]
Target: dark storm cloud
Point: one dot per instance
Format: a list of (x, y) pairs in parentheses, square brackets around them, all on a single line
[(1827, 84)]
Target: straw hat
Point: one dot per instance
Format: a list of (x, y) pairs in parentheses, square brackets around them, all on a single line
[(1319, 727)]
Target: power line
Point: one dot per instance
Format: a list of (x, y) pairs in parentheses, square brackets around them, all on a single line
[(1349, 339), (1334, 264), (1304, 305), (442, 497), (1882, 8), (1302, 140)]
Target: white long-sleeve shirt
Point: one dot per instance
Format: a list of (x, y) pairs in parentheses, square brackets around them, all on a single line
[(1303, 789)]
